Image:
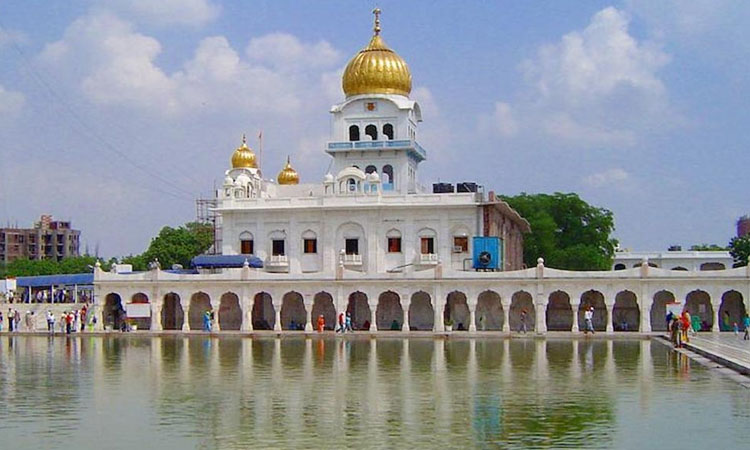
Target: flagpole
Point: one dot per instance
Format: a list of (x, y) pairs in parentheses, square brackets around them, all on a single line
[(260, 151)]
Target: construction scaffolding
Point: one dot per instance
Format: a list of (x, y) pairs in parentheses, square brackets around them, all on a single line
[(205, 212)]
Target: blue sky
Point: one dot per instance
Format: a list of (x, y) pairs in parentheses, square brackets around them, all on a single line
[(117, 114)]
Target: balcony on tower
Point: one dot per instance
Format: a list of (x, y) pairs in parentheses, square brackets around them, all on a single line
[(409, 145)]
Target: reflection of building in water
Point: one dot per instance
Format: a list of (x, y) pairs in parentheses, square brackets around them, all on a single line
[(370, 240)]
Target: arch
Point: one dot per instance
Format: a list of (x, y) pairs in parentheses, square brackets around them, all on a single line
[(246, 243), (388, 131), (457, 310), (359, 310), (698, 303), (679, 268), (143, 323), (489, 313), (370, 169), (712, 266), (113, 311), (731, 311), (659, 310), (323, 305), (559, 312), (353, 133), (620, 266), (293, 312), (263, 315), (519, 302), (650, 264), (372, 131), (596, 299), (230, 312), (626, 316), (200, 302), (421, 312), (172, 315), (387, 175), (389, 313), (139, 297)]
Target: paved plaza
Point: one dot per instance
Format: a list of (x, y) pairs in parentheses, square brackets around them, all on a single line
[(726, 348)]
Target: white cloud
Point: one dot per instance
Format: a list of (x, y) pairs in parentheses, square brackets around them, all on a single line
[(11, 102), (597, 86), (607, 177), (167, 12), (116, 65), (283, 51)]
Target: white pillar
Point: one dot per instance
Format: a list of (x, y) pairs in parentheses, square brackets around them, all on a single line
[(277, 312), (576, 327), (308, 314), (506, 318), (373, 312), (610, 327), (405, 325), (155, 317), (472, 316), (715, 326)]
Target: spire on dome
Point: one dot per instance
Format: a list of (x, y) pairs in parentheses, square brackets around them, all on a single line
[(376, 28)]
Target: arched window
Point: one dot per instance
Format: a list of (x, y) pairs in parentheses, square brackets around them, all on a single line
[(352, 184), (372, 131), (427, 241), (619, 266), (387, 177), (353, 133), (370, 169), (388, 131), (393, 238), (309, 242), (246, 243)]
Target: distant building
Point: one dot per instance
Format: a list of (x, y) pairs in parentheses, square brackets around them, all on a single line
[(743, 226), (675, 260), (48, 239)]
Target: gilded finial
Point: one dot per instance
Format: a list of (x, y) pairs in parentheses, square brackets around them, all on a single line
[(376, 29), (244, 139)]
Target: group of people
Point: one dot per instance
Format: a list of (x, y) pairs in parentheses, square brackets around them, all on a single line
[(14, 320), (345, 323), (70, 321), (680, 326)]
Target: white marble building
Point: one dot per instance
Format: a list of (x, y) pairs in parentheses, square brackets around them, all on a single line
[(368, 239)]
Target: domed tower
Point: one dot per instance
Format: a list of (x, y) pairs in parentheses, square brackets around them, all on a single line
[(375, 127), (287, 175), (243, 179)]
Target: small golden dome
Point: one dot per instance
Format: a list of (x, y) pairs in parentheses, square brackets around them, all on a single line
[(376, 69), (287, 174), (243, 156)]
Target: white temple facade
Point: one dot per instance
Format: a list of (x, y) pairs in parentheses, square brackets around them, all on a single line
[(370, 240)]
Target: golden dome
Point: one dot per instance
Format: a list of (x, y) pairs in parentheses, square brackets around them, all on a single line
[(243, 156), (287, 174), (376, 69)]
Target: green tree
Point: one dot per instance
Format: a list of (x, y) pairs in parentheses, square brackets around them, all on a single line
[(707, 247), (179, 245), (566, 231), (739, 248)]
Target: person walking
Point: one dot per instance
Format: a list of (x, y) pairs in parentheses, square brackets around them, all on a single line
[(207, 321), (588, 316), (16, 320), (340, 329), (68, 322), (321, 323), (1, 321), (348, 323), (523, 320), (50, 322), (11, 318), (746, 324), (63, 318)]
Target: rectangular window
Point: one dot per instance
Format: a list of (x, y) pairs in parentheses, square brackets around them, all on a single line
[(428, 245), (311, 245), (246, 246), (394, 245), (460, 244), (352, 246), (277, 247)]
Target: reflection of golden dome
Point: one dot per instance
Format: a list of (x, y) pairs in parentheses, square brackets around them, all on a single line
[(376, 69), (243, 156), (287, 174)]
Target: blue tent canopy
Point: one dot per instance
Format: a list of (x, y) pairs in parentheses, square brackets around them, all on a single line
[(56, 280), (225, 261)]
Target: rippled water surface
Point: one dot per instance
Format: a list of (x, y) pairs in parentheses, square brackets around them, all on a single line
[(196, 392)]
